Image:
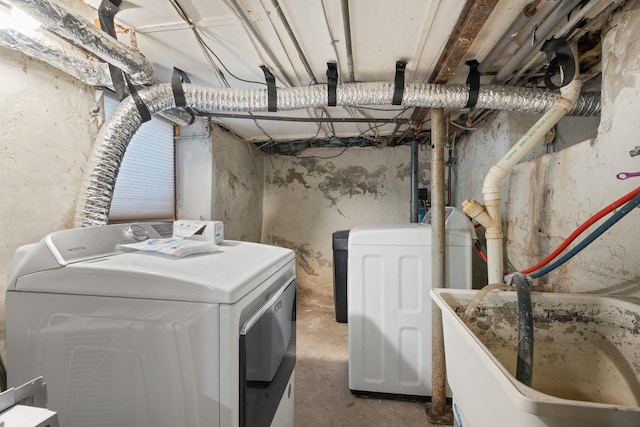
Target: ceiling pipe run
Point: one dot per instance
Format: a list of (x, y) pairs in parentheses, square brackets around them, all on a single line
[(576, 18), (538, 37), (56, 18), (294, 40), (235, 6), (111, 143), (346, 21), (512, 32)]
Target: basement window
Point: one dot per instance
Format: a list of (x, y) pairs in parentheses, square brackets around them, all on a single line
[(145, 187)]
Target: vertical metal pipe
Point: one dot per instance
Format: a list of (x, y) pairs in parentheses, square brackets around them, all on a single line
[(414, 181), (237, 8), (347, 38), (294, 39), (438, 262)]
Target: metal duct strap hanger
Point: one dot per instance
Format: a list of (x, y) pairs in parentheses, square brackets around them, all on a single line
[(558, 51), (332, 83), (106, 13), (143, 110), (177, 79), (473, 80), (272, 94), (398, 91)]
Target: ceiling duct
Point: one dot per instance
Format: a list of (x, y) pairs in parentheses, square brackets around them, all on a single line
[(56, 18), (63, 56), (111, 143)]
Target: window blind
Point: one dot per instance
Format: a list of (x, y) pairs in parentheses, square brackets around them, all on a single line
[(145, 187)]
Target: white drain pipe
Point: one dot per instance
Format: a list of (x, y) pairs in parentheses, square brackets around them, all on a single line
[(489, 214)]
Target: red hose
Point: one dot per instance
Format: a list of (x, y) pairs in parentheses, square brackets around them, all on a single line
[(480, 252), (588, 223)]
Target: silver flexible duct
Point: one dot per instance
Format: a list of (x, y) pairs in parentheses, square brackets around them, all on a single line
[(62, 56), (111, 143), (72, 61), (56, 18)]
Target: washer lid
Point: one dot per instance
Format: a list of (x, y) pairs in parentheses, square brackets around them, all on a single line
[(220, 277), (391, 234)]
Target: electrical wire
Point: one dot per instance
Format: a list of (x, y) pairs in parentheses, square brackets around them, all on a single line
[(480, 250), (325, 157), (348, 146), (284, 49), (628, 207), (588, 223), (333, 39), (207, 50), (271, 140)]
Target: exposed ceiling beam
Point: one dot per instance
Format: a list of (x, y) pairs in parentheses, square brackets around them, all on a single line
[(471, 20)]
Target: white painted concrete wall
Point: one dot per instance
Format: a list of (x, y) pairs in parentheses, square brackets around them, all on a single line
[(307, 199), (545, 199), (48, 122), (220, 178)]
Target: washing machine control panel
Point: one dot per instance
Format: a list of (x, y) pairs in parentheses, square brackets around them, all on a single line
[(79, 244)]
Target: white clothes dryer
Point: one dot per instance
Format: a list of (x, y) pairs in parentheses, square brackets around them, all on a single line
[(145, 339)]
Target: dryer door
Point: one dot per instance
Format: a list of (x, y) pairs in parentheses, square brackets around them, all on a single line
[(267, 357)]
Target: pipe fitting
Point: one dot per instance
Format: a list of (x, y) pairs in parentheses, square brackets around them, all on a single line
[(569, 95), (491, 185), (477, 211)]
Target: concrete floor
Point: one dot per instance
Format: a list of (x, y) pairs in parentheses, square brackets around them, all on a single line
[(322, 385)]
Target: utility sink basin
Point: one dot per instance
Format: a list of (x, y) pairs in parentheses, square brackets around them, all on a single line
[(586, 360)]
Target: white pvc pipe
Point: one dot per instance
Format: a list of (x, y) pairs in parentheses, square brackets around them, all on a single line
[(489, 215)]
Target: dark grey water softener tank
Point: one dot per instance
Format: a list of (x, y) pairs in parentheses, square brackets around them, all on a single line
[(340, 262)]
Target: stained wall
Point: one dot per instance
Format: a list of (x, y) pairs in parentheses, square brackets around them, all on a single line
[(48, 122), (308, 198)]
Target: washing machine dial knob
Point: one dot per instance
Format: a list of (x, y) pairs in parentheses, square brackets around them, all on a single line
[(136, 232)]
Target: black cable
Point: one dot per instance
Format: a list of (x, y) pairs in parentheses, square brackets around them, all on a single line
[(524, 365), (205, 45)]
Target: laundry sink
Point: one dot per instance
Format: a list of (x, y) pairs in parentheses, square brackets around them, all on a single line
[(586, 369)]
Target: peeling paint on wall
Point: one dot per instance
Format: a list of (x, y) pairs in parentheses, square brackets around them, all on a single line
[(307, 199)]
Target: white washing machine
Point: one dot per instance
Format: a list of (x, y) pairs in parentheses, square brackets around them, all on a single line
[(145, 339), (389, 278)]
